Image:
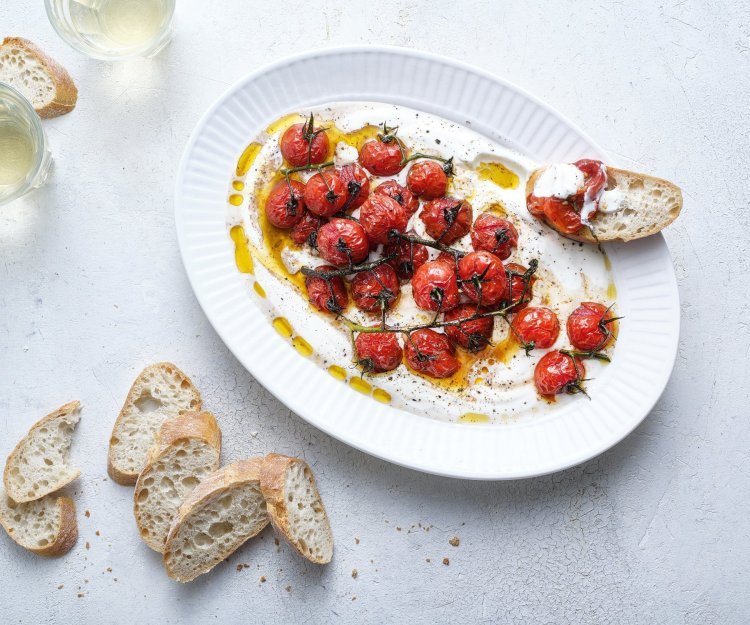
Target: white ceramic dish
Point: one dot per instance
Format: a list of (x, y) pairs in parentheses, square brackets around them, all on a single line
[(566, 435)]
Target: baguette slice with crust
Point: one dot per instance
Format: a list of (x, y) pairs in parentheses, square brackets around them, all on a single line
[(649, 205), (39, 78), (295, 508), (186, 450), (160, 391), (39, 463), (224, 511), (46, 526)]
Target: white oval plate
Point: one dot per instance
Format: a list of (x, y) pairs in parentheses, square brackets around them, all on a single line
[(565, 436)]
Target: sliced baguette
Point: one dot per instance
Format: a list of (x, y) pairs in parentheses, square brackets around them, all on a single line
[(186, 450), (39, 463), (46, 526), (39, 78), (160, 391), (649, 205), (224, 511), (295, 507)]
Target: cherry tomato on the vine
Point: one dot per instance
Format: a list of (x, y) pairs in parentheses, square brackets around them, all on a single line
[(558, 372), (435, 287), (301, 142), (446, 219), (483, 277), (357, 184), (379, 215), (472, 334), (325, 194), (343, 242), (537, 326), (376, 289), (494, 234), (589, 327), (327, 294), (378, 352), (515, 287), (431, 353), (401, 194), (409, 256), (305, 231), (382, 158), (285, 205), (427, 179)]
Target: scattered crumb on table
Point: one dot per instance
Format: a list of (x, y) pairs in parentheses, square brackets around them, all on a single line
[(288, 589), (262, 579), (354, 573), (87, 514), (455, 541), (356, 540), (446, 561)]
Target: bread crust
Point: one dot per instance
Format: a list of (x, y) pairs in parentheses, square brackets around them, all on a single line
[(272, 485), (66, 93), (127, 478), (585, 235), (188, 425), (66, 536), (66, 409), (214, 486)]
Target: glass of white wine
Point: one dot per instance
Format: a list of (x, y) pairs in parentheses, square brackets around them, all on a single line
[(24, 157), (112, 30)]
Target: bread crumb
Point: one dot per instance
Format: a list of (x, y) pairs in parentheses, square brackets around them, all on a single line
[(275, 541), (454, 541), (356, 540), (354, 598), (81, 594), (97, 533), (288, 589), (428, 560), (61, 586), (87, 514), (446, 561), (109, 569), (262, 579), (88, 546), (354, 573), (398, 529), (239, 566)]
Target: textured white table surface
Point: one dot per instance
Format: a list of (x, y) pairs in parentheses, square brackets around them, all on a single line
[(657, 530)]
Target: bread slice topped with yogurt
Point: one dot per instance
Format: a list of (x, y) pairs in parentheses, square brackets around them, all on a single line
[(590, 202)]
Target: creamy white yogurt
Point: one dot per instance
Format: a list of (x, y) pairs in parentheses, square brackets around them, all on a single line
[(560, 180)]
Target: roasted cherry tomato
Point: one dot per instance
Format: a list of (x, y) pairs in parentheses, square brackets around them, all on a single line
[(435, 287), (285, 204), (515, 287), (305, 231), (446, 219), (588, 327), (378, 352), (379, 215), (303, 144), (431, 353), (494, 234), (325, 194), (537, 327), (472, 334), (558, 372), (427, 179), (408, 258), (377, 289), (357, 184), (401, 194), (382, 158), (594, 176), (343, 242), (327, 294), (483, 277)]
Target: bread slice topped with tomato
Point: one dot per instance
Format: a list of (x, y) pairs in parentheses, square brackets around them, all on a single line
[(590, 202)]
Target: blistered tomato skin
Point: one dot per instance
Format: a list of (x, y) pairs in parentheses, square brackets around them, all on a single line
[(357, 184), (447, 219), (434, 286), (305, 231), (557, 372), (376, 290), (474, 334), (427, 180), (494, 234), (408, 257), (401, 194), (537, 326), (297, 144), (327, 295), (586, 329), (378, 352), (343, 242), (379, 215), (483, 278), (515, 289), (431, 354), (381, 158), (285, 205), (325, 194)]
